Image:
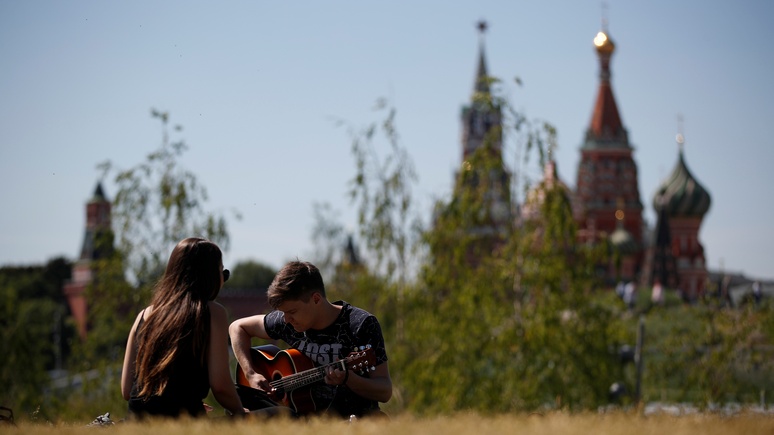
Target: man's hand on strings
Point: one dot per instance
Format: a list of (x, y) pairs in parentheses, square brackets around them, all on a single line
[(258, 381), (336, 376)]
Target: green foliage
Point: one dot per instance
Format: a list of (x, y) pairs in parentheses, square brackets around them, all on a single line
[(36, 282), (26, 347), (512, 323), (113, 305), (33, 334), (251, 275), (709, 355)]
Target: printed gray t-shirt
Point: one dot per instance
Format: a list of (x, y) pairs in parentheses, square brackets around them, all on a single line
[(354, 327)]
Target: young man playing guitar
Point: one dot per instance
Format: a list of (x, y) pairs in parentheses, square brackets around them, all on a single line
[(320, 331)]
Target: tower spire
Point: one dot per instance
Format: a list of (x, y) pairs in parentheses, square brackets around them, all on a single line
[(482, 166), (482, 82), (606, 125)]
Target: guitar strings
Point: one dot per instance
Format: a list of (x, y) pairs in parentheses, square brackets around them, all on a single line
[(289, 383)]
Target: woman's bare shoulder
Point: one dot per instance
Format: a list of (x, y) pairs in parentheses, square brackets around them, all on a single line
[(217, 309)]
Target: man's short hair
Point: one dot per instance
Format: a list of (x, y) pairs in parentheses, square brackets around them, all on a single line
[(298, 280)]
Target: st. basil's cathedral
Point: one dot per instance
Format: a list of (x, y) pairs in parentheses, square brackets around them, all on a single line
[(606, 202)]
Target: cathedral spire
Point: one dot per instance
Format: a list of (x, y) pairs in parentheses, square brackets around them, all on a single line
[(680, 138), (606, 126)]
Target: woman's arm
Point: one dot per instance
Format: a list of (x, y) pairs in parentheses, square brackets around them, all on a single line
[(127, 373), (217, 362)]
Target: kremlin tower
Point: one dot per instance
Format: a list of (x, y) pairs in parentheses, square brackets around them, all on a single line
[(483, 174), (97, 243)]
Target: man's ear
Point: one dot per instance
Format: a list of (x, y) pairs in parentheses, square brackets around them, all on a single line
[(316, 297)]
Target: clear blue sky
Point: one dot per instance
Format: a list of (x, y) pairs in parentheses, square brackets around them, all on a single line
[(256, 85)]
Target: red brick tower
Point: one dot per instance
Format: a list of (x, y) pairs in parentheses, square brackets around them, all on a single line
[(97, 238), (607, 196)]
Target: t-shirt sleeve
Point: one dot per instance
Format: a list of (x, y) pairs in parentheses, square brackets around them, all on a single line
[(370, 332), (274, 323)]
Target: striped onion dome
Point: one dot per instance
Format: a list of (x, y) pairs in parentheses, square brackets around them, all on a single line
[(681, 193)]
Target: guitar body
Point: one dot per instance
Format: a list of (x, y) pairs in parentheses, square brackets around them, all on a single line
[(275, 363), (291, 373)]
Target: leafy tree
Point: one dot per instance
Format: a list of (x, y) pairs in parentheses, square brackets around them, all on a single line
[(40, 282), (33, 335), (251, 275), (708, 355), (27, 348)]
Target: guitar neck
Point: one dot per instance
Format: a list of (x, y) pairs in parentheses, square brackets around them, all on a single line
[(301, 379)]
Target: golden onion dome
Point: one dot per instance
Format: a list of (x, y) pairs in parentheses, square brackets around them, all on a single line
[(603, 43)]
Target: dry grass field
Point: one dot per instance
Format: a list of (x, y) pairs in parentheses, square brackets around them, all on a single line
[(460, 424)]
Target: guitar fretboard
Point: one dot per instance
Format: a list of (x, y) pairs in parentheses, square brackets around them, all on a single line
[(301, 379)]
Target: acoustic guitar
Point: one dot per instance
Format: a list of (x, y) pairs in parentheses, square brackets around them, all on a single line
[(291, 373)]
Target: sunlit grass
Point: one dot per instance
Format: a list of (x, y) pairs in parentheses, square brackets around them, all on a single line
[(532, 424)]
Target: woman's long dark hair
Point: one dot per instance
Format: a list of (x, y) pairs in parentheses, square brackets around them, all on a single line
[(179, 325)]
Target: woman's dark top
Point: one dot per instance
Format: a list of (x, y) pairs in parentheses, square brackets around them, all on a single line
[(186, 390)]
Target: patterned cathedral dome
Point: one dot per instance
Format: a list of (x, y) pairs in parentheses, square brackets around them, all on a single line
[(681, 193)]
